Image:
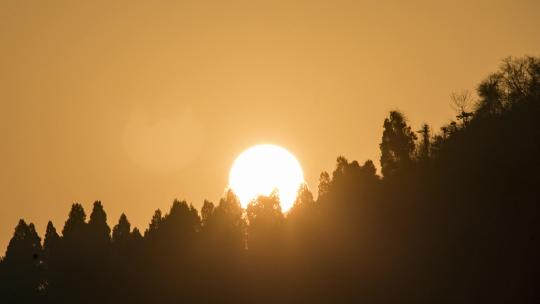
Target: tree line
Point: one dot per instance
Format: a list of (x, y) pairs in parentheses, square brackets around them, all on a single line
[(454, 218)]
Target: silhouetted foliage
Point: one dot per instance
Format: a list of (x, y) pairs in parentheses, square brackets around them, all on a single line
[(21, 272), (397, 144), (265, 221), (424, 150), (98, 229), (324, 182), (455, 219), (52, 240), (207, 211), (75, 226), (121, 233), (157, 218)]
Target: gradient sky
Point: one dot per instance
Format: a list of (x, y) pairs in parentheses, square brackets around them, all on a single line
[(136, 103)]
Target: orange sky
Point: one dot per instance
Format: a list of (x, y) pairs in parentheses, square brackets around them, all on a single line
[(137, 102)]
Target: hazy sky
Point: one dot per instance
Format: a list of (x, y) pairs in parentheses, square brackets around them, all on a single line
[(136, 103)]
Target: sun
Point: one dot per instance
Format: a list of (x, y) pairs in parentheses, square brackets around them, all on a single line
[(261, 169)]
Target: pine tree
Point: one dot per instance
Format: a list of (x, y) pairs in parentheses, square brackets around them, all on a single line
[(52, 239), (122, 231), (397, 145), (97, 225), (155, 224), (75, 226), (425, 146)]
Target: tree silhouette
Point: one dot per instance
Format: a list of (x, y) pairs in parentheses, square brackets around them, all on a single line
[(304, 201), (98, 229), (25, 244), (425, 146), (397, 143), (75, 226), (52, 240), (206, 212), (180, 223), (21, 272), (122, 231), (324, 182), (155, 223), (224, 230), (265, 222), (226, 225)]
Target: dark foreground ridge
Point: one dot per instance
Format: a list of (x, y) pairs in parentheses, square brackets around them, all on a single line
[(455, 219)]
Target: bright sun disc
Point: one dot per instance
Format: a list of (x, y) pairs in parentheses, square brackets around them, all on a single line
[(261, 169)]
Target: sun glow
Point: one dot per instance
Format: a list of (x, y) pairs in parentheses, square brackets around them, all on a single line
[(261, 169)]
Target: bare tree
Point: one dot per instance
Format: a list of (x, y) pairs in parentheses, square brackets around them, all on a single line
[(461, 103)]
